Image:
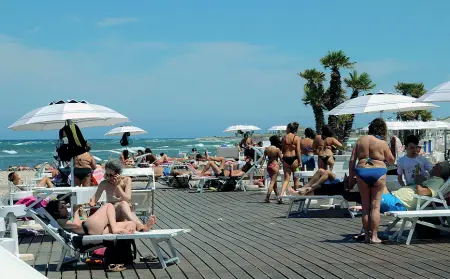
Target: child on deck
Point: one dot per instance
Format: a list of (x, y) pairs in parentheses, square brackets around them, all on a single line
[(408, 165)]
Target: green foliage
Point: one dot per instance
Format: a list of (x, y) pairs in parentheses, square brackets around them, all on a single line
[(359, 83), (415, 90), (314, 93)]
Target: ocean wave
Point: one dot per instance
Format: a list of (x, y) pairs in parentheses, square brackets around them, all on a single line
[(26, 143), (12, 152)]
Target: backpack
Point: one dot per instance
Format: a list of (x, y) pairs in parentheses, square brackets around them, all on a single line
[(120, 252), (75, 144)]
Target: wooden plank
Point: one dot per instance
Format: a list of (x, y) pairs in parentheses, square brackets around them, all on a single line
[(236, 235)]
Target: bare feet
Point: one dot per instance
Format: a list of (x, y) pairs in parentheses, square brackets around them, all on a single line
[(151, 221), (119, 231), (304, 191)]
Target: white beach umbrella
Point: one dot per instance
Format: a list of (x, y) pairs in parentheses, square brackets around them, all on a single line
[(440, 93), (13, 267), (243, 128), (278, 128), (118, 131), (55, 115), (378, 103), (397, 125)]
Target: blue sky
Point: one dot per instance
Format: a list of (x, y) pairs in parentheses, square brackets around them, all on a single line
[(192, 68)]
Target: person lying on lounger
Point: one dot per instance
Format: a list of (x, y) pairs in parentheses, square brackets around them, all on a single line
[(321, 176), (16, 180), (118, 193), (103, 221), (222, 170)]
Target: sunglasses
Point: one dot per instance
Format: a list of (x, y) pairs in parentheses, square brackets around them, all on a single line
[(109, 175)]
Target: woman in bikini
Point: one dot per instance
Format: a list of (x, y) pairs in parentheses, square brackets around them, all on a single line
[(273, 153), (368, 169), (292, 155), (324, 146), (306, 145), (103, 221), (84, 166)]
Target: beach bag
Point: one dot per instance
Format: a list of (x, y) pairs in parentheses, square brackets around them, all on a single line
[(227, 185), (179, 182), (97, 176), (75, 145), (120, 252)]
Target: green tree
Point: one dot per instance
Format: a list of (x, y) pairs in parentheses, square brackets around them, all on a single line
[(335, 95), (314, 94), (358, 83), (414, 90)]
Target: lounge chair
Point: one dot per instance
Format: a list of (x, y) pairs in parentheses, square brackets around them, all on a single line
[(305, 201), (413, 216), (73, 243)]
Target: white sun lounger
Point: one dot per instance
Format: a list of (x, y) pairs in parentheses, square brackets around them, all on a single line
[(413, 217), (136, 172), (155, 236), (13, 267), (305, 201)]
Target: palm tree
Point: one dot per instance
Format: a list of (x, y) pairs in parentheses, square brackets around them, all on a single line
[(335, 95), (314, 94), (414, 90), (358, 83)]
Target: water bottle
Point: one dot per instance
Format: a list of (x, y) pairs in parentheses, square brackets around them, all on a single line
[(212, 172)]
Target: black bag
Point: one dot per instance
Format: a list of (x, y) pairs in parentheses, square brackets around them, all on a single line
[(179, 182), (120, 252), (425, 232), (227, 185), (76, 143)]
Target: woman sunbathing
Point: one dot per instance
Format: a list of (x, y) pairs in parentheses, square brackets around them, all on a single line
[(221, 169), (103, 221), (44, 182), (118, 193)]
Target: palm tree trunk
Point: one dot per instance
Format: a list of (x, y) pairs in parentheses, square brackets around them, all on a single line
[(333, 123), (318, 116), (348, 127)]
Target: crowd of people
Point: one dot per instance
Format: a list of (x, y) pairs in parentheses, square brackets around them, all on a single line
[(367, 169)]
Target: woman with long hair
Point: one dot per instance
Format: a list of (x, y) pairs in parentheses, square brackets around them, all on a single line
[(273, 153), (368, 169), (292, 155)]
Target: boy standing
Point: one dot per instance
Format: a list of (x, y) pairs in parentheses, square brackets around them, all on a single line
[(412, 164)]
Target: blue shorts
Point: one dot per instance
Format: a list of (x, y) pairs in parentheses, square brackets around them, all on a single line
[(390, 202), (166, 171), (308, 161)]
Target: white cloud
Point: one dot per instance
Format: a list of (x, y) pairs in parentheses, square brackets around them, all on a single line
[(114, 21)]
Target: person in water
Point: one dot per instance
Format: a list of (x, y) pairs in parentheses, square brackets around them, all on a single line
[(367, 167), (306, 144), (273, 153), (292, 155), (324, 146)]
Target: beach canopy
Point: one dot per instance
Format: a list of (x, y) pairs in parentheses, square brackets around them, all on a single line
[(371, 103), (13, 267), (414, 125), (243, 128), (440, 93), (278, 128), (54, 116), (119, 131)]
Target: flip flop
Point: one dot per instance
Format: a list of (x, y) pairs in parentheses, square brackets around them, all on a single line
[(148, 258), (359, 237), (116, 267)]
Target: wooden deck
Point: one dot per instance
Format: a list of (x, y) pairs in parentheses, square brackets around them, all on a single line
[(235, 235)]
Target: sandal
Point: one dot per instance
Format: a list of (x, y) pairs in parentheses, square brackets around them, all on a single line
[(116, 267)]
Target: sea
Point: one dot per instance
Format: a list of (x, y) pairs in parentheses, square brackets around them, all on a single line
[(33, 152)]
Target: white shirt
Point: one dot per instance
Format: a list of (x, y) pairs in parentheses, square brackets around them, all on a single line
[(407, 166)]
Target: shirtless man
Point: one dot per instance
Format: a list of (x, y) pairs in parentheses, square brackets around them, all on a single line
[(367, 167), (221, 169), (118, 192), (273, 153)]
